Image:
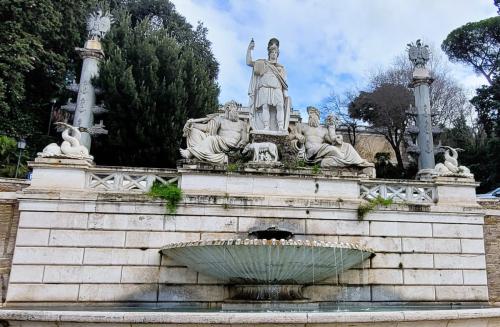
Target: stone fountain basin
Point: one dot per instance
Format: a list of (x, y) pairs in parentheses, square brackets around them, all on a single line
[(267, 262)]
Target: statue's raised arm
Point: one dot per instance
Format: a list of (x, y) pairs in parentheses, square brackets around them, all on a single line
[(251, 46)]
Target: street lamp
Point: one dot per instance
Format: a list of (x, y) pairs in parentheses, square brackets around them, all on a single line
[(21, 144)]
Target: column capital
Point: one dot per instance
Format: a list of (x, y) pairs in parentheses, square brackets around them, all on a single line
[(90, 53), (417, 81)]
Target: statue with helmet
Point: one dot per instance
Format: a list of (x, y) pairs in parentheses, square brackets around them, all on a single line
[(268, 91)]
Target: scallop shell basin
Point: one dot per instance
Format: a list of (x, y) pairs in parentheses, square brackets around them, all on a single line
[(261, 261)]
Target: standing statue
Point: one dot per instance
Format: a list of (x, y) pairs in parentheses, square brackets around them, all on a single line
[(450, 166), (212, 137), (268, 91), (323, 145)]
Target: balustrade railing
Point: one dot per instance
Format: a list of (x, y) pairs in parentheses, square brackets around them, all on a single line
[(399, 191), (126, 179)]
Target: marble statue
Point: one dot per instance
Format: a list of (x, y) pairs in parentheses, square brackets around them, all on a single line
[(418, 53), (262, 152), (70, 148), (450, 166), (268, 91), (211, 138), (99, 24), (323, 145)]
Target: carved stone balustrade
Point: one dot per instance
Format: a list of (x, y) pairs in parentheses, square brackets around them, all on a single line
[(127, 179), (399, 191)]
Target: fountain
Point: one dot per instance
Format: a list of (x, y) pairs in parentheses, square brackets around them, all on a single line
[(267, 269), (249, 234)]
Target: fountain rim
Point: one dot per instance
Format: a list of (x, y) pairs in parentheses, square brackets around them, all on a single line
[(270, 242)]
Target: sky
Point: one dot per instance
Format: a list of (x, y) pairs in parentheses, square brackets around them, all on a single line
[(327, 45)]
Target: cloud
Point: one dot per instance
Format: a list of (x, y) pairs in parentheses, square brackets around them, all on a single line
[(326, 45)]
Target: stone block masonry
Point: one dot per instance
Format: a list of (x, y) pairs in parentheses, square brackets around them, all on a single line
[(492, 247), (9, 219), (83, 250), (87, 247)]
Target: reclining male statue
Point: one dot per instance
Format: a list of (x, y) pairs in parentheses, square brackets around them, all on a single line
[(324, 146), (212, 137)]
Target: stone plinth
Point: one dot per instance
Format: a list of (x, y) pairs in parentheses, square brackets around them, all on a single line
[(270, 182), (59, 173), (456, 190)]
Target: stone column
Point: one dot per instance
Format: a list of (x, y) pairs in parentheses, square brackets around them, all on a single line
[(419, 55), (424, 123), (92, 54)]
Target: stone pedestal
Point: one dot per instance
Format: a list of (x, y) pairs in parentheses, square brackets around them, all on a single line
[(456, 190), (59, 173)]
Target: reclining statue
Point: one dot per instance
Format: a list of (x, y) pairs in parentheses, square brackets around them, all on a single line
[(324, 146), (211, 138)]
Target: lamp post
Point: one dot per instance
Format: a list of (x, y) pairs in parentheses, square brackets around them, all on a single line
[(53, 102), (21, 144)]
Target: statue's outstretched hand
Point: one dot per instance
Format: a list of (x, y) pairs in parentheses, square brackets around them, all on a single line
[(251, 46)]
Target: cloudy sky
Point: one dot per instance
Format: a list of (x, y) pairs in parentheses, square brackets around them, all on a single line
[(326, 45)]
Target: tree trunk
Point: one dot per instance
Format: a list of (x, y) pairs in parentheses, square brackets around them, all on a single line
[(399, 158), (397, 150)]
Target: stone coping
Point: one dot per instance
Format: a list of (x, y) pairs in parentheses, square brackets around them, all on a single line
[(245, 317), (349, 172)]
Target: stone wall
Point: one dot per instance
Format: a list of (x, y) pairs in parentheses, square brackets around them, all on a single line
[(78, 246), (492, 245), (9, 218)]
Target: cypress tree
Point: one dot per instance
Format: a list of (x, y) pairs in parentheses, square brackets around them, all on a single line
[(158, 72)]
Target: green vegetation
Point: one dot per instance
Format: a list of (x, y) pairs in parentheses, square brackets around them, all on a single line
[(295, 164), (316, 169), (172, 194), (9, 155), (477, 44), (232, 167), (158, 72), (365, 208), (390, 102), (300, 163), (38, 59)]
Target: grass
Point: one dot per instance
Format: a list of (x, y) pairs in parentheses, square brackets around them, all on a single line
[(365, 208), (172, 195)]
